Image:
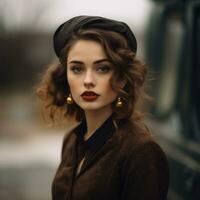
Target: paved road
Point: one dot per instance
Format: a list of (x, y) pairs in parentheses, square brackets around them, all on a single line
[(27, 166)]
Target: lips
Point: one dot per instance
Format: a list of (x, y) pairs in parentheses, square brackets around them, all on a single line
[(89, 96)]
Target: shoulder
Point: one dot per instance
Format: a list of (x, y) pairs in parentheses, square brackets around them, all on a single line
[(132, 135), (68, 142), (69, 135), (144, 166), (136, 141)]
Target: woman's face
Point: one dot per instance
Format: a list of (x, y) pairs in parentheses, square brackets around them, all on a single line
[(88, 74)]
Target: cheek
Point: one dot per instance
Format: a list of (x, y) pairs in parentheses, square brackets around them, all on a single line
[(73, 84), (109, 91)]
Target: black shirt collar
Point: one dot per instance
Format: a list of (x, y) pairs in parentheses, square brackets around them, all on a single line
[(99, 137)]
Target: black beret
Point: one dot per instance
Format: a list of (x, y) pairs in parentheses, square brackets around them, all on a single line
[(64, 32)]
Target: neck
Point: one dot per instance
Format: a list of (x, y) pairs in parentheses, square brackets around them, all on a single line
[(94, 120)]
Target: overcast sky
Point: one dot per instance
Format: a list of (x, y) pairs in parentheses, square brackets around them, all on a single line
[(45, 15)]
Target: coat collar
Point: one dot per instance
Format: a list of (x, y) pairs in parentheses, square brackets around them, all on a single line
[(99, 137), (97, 140)]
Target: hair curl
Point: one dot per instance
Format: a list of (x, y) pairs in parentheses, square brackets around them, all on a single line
[(54, 89)]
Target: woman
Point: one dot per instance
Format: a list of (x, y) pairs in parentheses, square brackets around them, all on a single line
[(110, 154)]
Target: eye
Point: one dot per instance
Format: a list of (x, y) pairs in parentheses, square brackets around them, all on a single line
[(76, 69), (104, 69)]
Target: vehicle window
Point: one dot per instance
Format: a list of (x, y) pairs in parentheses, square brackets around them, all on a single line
[(196, 75), (171, 57)]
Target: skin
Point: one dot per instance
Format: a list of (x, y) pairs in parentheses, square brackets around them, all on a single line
[(88, 69)]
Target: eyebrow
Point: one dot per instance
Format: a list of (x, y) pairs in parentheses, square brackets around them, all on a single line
[(95, 62)]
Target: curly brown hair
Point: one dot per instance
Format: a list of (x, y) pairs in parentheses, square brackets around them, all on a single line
[(54, 88)]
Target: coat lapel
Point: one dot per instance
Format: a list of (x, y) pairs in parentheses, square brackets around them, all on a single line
[(92, 157)]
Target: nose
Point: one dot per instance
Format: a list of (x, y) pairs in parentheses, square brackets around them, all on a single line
[(89, 79)]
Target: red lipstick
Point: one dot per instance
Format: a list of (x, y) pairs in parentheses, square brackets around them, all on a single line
[(89, 96)]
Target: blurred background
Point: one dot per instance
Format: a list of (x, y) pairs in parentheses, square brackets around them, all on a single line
[(168, 41)]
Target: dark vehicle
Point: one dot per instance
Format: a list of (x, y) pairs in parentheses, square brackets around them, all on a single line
[(173, 49)]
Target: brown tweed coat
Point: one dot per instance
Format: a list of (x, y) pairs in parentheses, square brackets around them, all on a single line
[(130, 165)]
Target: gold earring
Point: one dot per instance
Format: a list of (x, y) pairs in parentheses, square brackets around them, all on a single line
[(69, 99), (119, 103)]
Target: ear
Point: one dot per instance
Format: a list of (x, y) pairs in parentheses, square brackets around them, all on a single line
[(122, 83)]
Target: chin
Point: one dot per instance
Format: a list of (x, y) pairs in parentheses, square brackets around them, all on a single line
[(90, 107), (94, 106)]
